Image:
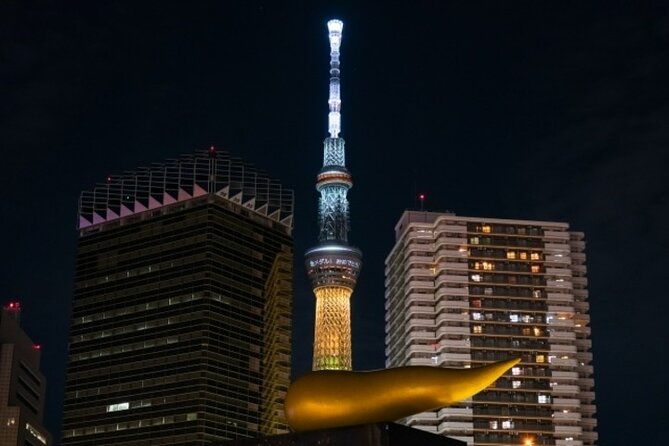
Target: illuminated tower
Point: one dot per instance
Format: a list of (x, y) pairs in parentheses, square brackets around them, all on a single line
[(333, 265)]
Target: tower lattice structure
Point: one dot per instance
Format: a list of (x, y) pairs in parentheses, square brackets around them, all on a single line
[(333, 265)]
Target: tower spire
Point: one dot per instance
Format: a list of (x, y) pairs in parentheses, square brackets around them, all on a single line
[(335, 28), (333, 265)]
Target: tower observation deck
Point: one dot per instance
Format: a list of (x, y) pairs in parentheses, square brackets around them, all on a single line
[(333, 265)]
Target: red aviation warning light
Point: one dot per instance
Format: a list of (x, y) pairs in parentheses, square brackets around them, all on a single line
[(212, 152), (421, 197), (13, 306)]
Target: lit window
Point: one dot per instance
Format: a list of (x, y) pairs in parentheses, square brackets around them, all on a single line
[(515, 371), (543, 399), (474, 240), (477, 316), (526, 331), (477, 265), (11, 421), (486, 228), (476, 277), (526, 318), (523, 255), (511, 255), (541, 358), (537, 331), (536, 293), (35, 433), (493, 424), (476, 303), (488, 266), (534, 256), (435, 360), (507, 424), (477, 329), (536, 268), (487, 291), (515, 384), (514, 317), (117, 407)]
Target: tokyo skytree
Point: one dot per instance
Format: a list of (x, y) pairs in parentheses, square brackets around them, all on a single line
[(333, 265)]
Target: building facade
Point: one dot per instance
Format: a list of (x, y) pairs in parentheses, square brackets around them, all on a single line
[(181, 316), (333, 265), (22, 385), (463, 292)]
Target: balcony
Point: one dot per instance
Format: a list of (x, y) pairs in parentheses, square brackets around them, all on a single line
[(559, 284), (587, 396), (560, 349), (557, 248), (453, 266), (562, 335), (564, 260), (568, 431), (460, 291), (420, 323), (562, 236), (420, 309), (450, 279), (565, 390), (452, 317), (414, 349), (451, 304), (588, 409), (457, 357), (421, 336), (560, 297), (586, 383), (589, 423), (585, 369), (561, 309), (455, 412), (559, 362), (566, 417), (565, 403), (560, 375), (559, 272), (423, 417), (458, 426), (420, 284), (452, 330), (446, 344)]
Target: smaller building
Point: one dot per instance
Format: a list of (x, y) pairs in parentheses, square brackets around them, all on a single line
[(22, 386)]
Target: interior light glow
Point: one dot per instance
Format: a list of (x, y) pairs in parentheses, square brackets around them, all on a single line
[(118, 407)]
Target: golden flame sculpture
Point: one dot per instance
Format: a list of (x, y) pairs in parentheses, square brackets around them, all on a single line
[(334, 398)]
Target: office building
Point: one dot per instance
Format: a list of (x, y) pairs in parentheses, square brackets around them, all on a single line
[(333, 265), (463, 292), (22, 385), (181, 317)]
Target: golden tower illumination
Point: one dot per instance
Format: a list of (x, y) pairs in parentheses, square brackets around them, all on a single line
[(333, 265)]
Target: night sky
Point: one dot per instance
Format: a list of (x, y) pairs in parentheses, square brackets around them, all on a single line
[(528, 110)]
